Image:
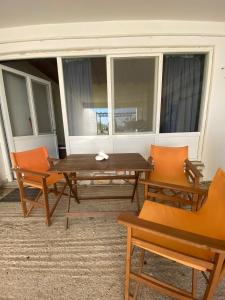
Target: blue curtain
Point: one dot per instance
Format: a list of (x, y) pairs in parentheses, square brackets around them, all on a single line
[(181, 93)]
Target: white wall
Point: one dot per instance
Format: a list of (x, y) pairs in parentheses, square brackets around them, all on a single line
[(133, 36), (214, 142)]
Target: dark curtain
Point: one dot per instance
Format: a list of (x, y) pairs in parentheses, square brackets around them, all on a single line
[(181, 92)]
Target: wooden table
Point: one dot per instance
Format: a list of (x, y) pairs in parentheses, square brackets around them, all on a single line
[(78, 163)]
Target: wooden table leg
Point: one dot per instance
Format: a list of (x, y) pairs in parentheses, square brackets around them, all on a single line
[(71, 187), (135, 185), (138, 202), (68, 210)]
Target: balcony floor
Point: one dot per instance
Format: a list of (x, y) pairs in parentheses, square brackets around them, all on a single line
[(84, 262)]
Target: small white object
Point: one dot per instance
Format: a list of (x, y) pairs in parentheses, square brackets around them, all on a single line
[(101, 156), (98, 157)]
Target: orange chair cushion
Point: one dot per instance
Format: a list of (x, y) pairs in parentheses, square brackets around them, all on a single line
[(173, 217), (208, 221), (169, 164), (36, 180)]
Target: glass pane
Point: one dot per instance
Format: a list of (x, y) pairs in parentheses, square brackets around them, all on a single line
[(41, 102), (86, 96), (134, 84), (17, 100), (181, 92)]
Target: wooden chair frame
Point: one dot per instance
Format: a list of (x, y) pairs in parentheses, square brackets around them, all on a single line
[(216, 268), (171, 192), (44, 190)]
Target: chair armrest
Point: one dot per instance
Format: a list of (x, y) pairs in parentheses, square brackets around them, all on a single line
[(53, 161), (147, 173), (193, 169), (25, 171), (175, 187), (150, 160), (186, 237)]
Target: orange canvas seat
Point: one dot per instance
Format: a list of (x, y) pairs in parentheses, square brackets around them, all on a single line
[(180, 219), (50, 180), (170, 168), (193, 238), (31, 168)]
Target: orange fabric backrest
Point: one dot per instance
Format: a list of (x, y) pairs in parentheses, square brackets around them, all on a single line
[(34, 160), (169, 161), (212, 213)]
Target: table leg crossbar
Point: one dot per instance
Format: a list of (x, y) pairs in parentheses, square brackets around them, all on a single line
[(72, 183)]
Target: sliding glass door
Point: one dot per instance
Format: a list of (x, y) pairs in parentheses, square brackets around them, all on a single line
[(125, 103), (133, 94)]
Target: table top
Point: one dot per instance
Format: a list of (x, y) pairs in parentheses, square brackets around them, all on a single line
[(115, 162)]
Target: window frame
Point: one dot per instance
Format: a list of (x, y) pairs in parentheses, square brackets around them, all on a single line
[(28, 79), (47, 84), (120, 52), (157, 92)]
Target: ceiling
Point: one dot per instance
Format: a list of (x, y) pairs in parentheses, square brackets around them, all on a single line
[(32, 12)]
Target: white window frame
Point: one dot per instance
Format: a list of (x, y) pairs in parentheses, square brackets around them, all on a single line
[(3, 103), (157, 92), (157, 51), (64, 52), (49, 103)]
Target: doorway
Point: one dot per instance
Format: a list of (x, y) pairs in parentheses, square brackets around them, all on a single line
[(30, 103)]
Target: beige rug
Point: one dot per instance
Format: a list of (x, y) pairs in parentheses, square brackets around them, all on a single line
[(82, 263)]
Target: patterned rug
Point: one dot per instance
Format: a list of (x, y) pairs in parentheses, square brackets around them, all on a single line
[(14, 195)]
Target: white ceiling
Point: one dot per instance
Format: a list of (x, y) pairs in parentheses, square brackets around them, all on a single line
[(32, 12)]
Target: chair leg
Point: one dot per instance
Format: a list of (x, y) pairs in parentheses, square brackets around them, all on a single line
[(36, 200), (195, 201), (214, 277), (194, 283), (128, 264), (142, 257), (55, 189), (68, 209), (22, 196), (146, 191), (45, 193), (138, 201)]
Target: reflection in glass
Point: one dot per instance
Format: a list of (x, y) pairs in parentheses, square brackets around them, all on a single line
[(134, 84), (18, 106), (86, 96), (41, 101)]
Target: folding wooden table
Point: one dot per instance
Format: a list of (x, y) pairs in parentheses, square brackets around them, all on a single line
[(118, 164)]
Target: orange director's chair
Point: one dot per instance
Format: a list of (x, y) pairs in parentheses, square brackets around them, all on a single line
[(31, 168), (172, 176), (195, 239)]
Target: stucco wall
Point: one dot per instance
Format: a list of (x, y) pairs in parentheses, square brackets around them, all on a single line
[(143, 36)]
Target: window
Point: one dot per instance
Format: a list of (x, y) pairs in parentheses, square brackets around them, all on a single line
[(181, 92), (28, 102), (86, 96), (18, 105), (41, 102), (134, 91), (134, 82)]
